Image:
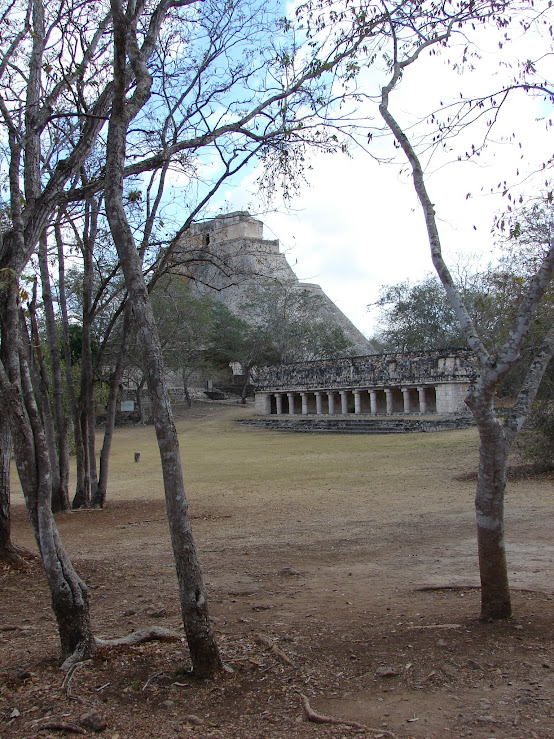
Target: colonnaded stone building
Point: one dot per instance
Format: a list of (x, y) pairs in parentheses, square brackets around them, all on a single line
[(226, 256), (378, 384)]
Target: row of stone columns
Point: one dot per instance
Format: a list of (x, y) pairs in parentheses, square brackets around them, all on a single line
[(330, 401)]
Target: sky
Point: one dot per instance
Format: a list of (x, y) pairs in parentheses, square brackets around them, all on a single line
[(357, 224)]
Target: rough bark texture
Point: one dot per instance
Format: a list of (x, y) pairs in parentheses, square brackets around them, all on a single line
[(489, 512), (203, 649), (7, 550), (69, 593)]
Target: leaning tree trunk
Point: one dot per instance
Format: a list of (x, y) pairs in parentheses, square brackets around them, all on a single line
[(194, 607), (69, 593), (495, 439)]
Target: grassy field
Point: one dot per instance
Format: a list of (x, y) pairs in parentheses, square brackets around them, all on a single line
[(225, 464)]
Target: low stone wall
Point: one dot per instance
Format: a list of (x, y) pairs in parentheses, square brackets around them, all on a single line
[(343, 425)]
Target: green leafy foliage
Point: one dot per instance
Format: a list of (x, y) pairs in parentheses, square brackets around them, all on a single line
[(290, 321)]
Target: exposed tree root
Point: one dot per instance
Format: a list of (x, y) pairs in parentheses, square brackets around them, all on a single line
[(62, 726), (66, 684), (439, 588), (83, 652), (149, 633), (267, 643), (318, 718), (435, 626), (16, 557)]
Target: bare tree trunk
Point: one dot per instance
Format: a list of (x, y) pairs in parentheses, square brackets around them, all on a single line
[(60, 497), (86, 396), (80, 497), (245, 383), (41, 381), (98, 500), (194, 608), (138, 395), (489, 512), (69, 593), (186, 390), (7, 550)]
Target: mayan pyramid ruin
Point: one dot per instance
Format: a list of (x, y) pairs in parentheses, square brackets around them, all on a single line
[(228, 255)]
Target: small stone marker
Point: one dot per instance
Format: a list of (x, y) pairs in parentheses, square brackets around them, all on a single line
[(137, 456)]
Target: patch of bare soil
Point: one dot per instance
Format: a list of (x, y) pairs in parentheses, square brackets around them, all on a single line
[(373, 621)]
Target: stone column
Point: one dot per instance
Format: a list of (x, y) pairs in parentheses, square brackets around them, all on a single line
[(343, 402), (279, 404), (304, 403), (373, 402), (331, 399), (357, 402), (267, 404), (290, 396), (388, 395), (406, 397), (318, 406), (422, 400)]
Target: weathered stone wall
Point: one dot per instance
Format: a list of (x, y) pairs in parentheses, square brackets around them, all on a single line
[(451, 397), (375, 370)]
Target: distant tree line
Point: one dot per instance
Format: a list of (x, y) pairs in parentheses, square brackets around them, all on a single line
[(418, 315)]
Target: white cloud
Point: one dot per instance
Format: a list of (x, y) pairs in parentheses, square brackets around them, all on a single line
[(359, 225)]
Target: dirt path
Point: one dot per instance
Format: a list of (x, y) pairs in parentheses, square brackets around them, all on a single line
[(354, 557)]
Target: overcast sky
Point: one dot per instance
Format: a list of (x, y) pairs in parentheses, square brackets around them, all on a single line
[(358, 225)]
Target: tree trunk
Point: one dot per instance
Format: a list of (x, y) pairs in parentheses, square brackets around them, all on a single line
[(186, 390), (60, 497), (138, 395), (80, 493), (40, 379), (7, 550), (245, 384), (86, 395), (98, 500), (489, 511), (194, 608), (69, 593)]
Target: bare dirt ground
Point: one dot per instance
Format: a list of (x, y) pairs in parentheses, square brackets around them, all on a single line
[(342, 568)]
